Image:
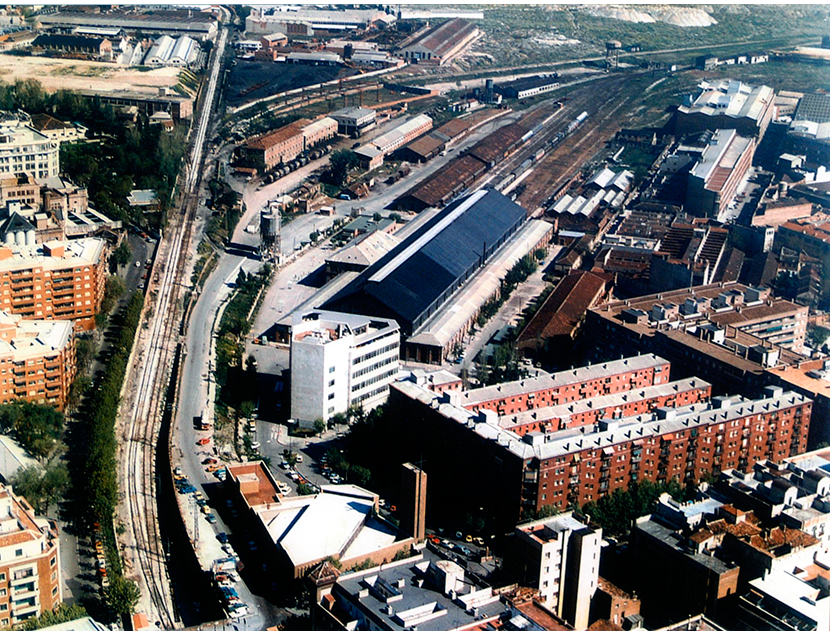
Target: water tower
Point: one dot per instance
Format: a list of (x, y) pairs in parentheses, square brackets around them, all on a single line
[(269, 232), (612, 53)]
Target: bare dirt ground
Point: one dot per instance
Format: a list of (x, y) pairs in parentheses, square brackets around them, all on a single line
[(55, 74)]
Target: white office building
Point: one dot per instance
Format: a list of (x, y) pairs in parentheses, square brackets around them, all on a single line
[(25, 150), (340, 360)]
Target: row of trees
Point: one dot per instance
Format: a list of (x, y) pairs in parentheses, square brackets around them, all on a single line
[(96, 471)]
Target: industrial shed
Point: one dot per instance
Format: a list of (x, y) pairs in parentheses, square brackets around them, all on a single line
[(439, 188), (415, 279)]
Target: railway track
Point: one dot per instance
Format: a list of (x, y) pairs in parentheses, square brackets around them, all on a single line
[(561, 163), (148, 377)]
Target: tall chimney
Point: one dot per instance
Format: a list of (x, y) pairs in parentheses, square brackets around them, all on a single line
[(413, 501)]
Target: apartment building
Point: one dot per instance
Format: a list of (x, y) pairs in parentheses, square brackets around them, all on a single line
[(559, 556), (543, 389), (37, 360), (562, 465), (728, 333), (24, 150), (339, 360), (19, 188), (29, 562), (56, 280), (714, 179)]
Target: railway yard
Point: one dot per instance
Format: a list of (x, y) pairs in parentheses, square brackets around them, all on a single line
[(537, 152)]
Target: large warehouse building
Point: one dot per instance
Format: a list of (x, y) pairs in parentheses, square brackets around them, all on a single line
[(414, 280), (439, 44), (727, 104)]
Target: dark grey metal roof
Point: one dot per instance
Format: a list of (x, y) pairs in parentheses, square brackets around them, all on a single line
[(412, 282)]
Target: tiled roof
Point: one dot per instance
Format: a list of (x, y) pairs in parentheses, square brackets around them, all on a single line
[(566, 306)]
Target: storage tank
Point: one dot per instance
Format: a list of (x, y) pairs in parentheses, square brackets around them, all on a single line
[(30, 238), (267, 225)]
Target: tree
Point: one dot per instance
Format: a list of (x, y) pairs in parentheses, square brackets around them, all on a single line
[(338, 419), (394, 216), (319, 426), (122, 595), (35, 426), (304, 489), (122, 255), (42, 487), (360, 475), (341, 163), (64, 613), (377, 216)]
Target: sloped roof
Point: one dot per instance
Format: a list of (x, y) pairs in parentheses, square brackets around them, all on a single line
[(16, 223), (566, 306), (413, 281)]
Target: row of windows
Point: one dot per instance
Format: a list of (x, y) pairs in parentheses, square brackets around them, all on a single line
[(377, 365), (370, 394), (374, 380), (375, 353)]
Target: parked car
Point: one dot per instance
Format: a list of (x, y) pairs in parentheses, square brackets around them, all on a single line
[(211, 519), (204, 441), (222, 537)]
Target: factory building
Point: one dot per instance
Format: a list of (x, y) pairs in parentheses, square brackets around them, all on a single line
[(416, 278), (714, 180), (201, 25), (528, 86), (727, 104), (287, 143), (354, 122), (439, 44)]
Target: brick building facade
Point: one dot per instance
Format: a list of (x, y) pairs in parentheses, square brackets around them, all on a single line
[(565, 463), (29, 562), (57, 280)]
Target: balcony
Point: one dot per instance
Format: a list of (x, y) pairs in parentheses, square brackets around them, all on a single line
[(23, 593), (27, 576)]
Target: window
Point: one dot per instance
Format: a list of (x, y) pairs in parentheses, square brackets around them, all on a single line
[(331, 370), (18, 553), (331, 383)]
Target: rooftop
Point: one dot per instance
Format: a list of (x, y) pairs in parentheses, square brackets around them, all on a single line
[(76, 253), (602, 403), (279, 135), (414, 279), (424, 592), (322, 327), (566, 306), (365, 249), (674, 539), (546, 381), (606, 433), (731, 98), (441, 38), (337, 522), (724, 150)]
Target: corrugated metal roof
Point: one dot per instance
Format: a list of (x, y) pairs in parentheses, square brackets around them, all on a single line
[(412, 281)]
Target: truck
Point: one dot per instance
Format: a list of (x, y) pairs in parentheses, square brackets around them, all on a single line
[(200, 422)]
